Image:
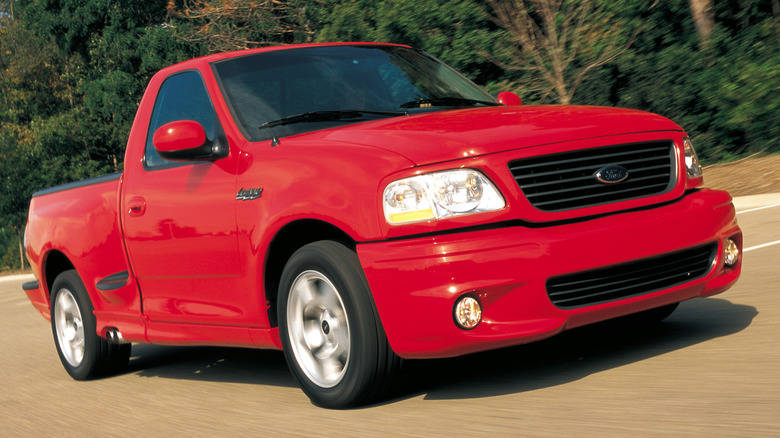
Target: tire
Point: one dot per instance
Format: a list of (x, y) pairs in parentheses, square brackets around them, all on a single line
[(83, 353), (331, 335)]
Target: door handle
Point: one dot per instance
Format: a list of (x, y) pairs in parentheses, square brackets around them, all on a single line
[(136, 206)]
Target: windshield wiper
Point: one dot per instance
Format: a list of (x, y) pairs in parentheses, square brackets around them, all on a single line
[(446, 101), (326, 116)]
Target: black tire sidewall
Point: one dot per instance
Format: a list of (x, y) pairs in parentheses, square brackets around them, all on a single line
[(340, 265), (87, 369)]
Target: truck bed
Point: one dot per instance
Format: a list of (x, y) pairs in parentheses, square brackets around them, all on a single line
[(87, 237)]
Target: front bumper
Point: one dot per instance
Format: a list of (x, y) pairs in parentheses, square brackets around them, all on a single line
[(415, 282)]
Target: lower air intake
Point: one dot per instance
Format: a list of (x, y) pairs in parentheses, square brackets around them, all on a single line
[(630, 279)]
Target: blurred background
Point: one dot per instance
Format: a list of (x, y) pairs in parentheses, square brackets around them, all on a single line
[(73, 71)]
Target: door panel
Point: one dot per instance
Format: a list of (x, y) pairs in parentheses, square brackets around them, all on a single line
[(180, 224)]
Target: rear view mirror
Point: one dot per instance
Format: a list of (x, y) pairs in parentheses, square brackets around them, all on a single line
[(185, 140), (508, 98)]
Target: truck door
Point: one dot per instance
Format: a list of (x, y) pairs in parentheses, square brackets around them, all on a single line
[(179, 218)]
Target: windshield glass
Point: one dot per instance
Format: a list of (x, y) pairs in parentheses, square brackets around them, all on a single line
[(361, 82)]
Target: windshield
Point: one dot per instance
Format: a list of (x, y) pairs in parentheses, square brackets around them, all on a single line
[(286, 92)]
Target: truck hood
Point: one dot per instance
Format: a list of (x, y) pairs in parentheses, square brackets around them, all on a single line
[(448, 135)]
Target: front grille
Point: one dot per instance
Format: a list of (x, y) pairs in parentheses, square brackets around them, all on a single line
[(630, 279), (567, 181)]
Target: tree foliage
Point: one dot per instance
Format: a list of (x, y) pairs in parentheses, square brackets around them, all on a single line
[(561, 41), (73, 71), (226, 25), (451, 30)]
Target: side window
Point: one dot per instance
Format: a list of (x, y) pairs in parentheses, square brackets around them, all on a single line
[(181, 97)]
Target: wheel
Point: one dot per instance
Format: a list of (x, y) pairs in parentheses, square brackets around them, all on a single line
[(331, 335), (83, 353)]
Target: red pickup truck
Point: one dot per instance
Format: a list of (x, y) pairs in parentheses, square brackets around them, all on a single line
[(356, 204)]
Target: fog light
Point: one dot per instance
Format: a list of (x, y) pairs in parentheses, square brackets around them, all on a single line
[(730, 253), (467, 312)]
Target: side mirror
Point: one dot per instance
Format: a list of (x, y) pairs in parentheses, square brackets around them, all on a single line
[(185, 140), (508, 98)]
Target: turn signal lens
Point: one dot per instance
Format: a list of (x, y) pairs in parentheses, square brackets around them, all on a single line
[(439, 195), (692, 164), (406, 201), (467, 312), (730, 253)]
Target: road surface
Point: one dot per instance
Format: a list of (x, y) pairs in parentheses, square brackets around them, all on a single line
[(711, 369)]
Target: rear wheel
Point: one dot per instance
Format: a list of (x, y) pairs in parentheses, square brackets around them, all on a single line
[(331, 334), (83, 353)]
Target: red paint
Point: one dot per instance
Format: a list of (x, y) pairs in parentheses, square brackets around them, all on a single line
[(197, 256), (179, 135), (507, 267), (508, 98)]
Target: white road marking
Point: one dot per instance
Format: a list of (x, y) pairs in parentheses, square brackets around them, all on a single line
[(758, 208), (776, 242), (17, 277)]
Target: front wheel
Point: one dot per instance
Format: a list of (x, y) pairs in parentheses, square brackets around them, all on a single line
[(83, 353), (332, 338)]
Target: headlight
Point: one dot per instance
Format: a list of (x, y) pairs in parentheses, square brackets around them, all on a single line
[(691, 160), (439, 195)]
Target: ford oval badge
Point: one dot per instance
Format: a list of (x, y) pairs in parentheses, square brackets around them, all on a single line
[(612, 174)]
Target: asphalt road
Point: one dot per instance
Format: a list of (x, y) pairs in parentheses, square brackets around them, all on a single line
[(711, 369)]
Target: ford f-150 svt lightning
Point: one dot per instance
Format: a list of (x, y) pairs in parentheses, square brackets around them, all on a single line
[(356, 204)]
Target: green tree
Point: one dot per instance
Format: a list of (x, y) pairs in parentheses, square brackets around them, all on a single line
[(560, 42), (453, 30), (28, 83), (227, 25), (72, 74)]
